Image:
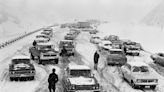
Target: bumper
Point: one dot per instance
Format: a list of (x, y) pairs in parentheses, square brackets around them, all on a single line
[(21, 75), (146, 84), (49, 61)]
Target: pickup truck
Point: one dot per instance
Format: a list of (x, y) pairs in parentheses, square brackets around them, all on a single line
[(21, 68), (79, 78), (45, 53), (69, 45)]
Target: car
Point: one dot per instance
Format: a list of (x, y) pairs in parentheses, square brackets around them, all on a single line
[(111, 38), (79, 78), (116, 57), (70, 36), (42, 36), (105, 45), (93, 31), (132, 48), (21, 68), (158, 58), (41, 40), (46, 53), (95, 39), (139, 75), (69, 45), (48, 33)]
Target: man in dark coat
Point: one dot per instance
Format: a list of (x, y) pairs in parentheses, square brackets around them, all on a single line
[(52, 80), (63, 52), (96, 59)]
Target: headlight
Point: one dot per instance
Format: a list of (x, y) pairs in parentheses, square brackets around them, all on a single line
[(138, 80)]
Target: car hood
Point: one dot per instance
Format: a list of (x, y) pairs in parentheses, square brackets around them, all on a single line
[(82, 81), (147, 75)]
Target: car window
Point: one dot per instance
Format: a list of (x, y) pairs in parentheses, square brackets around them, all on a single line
[(136, 69), (140, 69)]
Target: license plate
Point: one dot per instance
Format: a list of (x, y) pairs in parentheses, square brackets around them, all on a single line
[(147, 86)]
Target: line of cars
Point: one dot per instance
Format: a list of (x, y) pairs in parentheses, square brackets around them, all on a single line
[(77, 78), (21, 66), (137, 73)]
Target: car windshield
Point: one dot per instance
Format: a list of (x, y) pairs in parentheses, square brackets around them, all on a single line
[(47, 47), (107, 44), (140, 69), (96, 37), (18, 61), (116, 52), (86, 73)]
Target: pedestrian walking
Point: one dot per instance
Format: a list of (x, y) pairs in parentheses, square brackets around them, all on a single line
[(52, 80), (96, 59)]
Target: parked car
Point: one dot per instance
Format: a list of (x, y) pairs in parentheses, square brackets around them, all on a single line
[(93, 31), (42, 36), (111, 38), (139, 75), (79, 78), (70, 36), (46, 53), (95, 39), (69, 45), (41, 40), (21, 68), (158, 58), (116, 57), (105, 45), (132, 48)]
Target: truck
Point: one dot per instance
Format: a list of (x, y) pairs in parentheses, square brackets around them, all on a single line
[(69, 45), (45, 53), (79, 78), (21, 68), (116, 57)]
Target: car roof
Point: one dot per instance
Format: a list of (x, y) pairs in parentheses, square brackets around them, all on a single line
[(45, 43), (137, 63), (106, 42), (41, 38), (78, 67), (21, 57), (66, 40), (112, 49)]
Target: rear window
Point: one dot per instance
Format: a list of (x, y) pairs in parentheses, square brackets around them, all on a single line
[(80, 73), (116, 52), (140, 69), (18, 61)]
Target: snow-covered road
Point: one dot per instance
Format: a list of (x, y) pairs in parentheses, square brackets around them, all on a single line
[(109, 77)]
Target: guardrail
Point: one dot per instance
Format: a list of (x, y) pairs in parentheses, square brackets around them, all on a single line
[(4, 44)]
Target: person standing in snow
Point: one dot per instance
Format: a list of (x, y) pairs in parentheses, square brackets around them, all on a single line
[(63, 52), (96, 59), (52, 80)]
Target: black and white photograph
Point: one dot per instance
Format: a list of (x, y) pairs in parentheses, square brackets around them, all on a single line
[(81, 45)]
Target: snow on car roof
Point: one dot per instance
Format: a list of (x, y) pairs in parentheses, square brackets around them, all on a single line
[(21, 57), (66, 40), (106, 42), (75, 66), (137, 63), (43, 43), (116, 49), (40, 38)]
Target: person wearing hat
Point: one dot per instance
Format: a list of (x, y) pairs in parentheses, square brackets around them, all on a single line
[(52, 80)]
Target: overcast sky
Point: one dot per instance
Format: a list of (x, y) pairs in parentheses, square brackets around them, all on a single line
[(113, 10)]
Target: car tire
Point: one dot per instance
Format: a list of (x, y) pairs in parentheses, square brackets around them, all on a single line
[(11, 79), (133, 85), (32, 57), (153, 86)]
